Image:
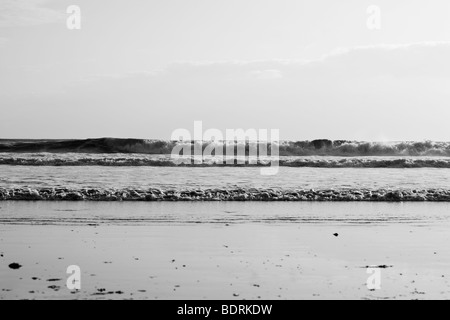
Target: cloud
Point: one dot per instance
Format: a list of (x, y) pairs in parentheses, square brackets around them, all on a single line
[(22, 13), (364, 93), (422, 60), (419, 61), (267, 74), (416, 69)]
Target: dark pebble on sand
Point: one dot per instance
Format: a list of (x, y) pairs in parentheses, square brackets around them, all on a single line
[(383, 266), (15, 266), (56, 288), (336, 234)]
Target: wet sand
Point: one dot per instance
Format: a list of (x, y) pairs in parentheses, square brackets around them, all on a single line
[(291, 251)]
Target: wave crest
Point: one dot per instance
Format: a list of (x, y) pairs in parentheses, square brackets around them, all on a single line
[(322, 147), (136, 160), (241, 194)]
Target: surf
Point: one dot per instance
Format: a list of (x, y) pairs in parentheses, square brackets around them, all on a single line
[(321, 147)]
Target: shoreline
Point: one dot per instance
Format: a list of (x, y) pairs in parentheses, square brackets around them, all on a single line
[(237, 194)]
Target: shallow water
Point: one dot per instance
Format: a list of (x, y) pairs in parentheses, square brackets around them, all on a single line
[(215, 177), (221, 213)]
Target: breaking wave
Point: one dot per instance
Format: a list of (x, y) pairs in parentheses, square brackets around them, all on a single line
[(137, 160), (323, 147), (238, 194)]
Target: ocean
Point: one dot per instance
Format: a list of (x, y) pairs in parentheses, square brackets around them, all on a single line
[(139, 226), (83, 170)]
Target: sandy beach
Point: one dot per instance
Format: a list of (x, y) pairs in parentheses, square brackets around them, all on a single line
[(253, 251)]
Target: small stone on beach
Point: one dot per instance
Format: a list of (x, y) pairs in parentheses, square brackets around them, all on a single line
[(15, 266), (56, 288)]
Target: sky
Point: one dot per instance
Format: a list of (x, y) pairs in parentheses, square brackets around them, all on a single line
[(142, 69)]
